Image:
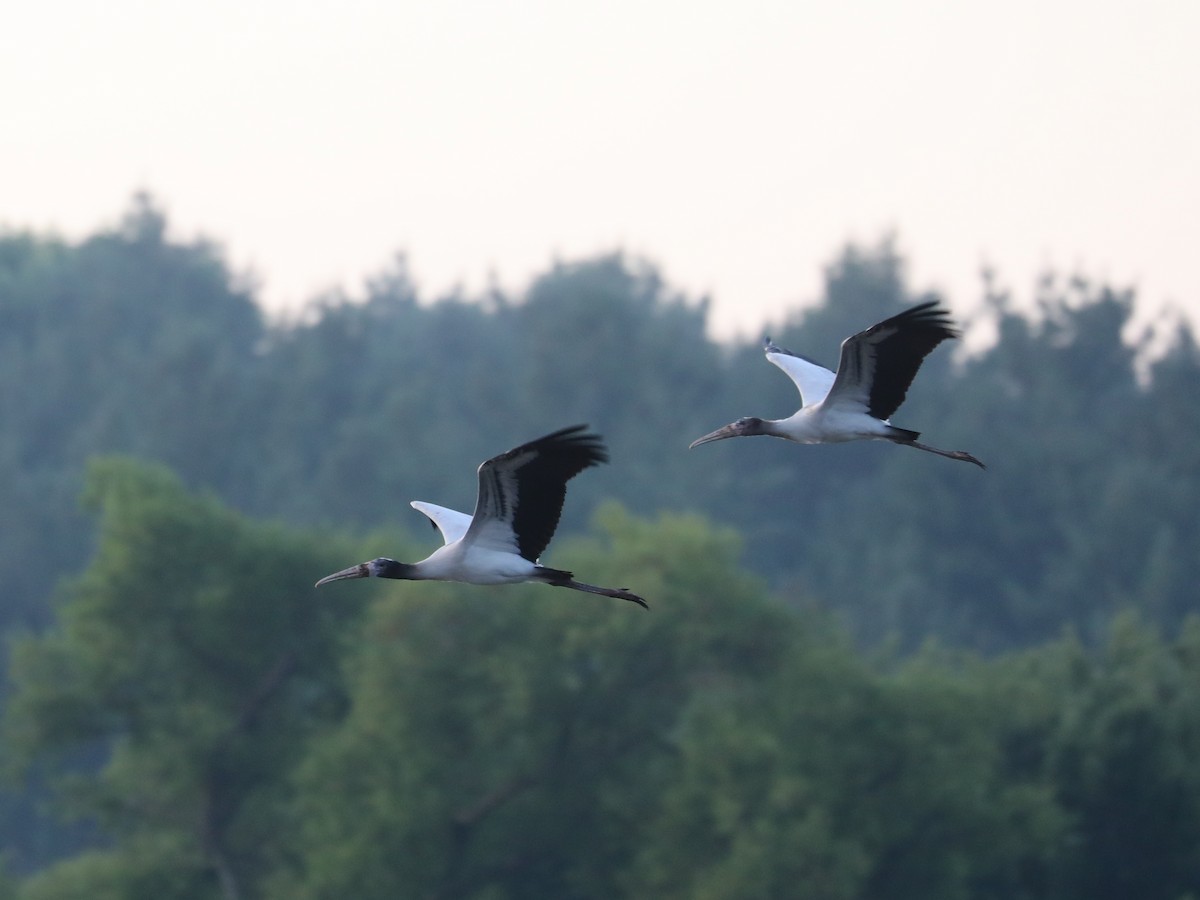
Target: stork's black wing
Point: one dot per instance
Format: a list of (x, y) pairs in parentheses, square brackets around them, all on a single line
[(521, 492), (878, 365)]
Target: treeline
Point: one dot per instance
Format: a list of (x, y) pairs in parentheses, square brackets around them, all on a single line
[(132, 342), (383, 741), (770, 722)]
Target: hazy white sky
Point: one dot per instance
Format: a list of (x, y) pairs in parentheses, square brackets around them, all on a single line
[(737, 144)]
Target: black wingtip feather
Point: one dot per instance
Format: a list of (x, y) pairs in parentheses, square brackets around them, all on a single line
[(574, 442), (553, 460), (930, 315), (900, 344)]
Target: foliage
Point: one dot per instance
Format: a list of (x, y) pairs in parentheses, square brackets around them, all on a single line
[(189, 661), (1117, 734), (127, 342), (849, 783), (220, 732), (244, 739), (130, 342), (511, 742)]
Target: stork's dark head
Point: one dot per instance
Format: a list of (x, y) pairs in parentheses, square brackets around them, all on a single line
[(743, 427), (375, 568)]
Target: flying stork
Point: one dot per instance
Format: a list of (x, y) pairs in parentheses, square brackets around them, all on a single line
[(520, 499), (875, 370)]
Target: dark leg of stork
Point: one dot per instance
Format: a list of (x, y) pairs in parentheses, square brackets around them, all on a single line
[(619, 593), (561, 578), (949, 454)]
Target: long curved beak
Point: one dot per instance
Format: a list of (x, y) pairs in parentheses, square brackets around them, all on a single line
[(359, 571), (734, 429)]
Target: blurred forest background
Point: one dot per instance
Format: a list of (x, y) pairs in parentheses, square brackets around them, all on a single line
[(865, 673)]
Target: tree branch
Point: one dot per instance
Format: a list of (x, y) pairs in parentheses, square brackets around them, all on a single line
[(220, 808)]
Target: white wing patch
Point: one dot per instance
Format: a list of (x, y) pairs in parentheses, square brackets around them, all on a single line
[(812, 380), (450, 522), (494, 535)]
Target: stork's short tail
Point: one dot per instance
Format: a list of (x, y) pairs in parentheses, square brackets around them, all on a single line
[(902, 435)]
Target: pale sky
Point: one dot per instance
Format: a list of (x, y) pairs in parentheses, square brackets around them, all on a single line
[(738, 145)]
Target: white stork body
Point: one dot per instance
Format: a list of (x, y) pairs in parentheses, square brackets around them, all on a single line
[(471, 562), (520, 499), (874, 372)]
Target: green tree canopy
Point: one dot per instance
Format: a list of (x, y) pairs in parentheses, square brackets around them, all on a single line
[(230, 734), (191, 660)]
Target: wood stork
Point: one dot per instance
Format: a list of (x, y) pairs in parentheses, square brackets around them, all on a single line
[(875, 370), (520, 499)]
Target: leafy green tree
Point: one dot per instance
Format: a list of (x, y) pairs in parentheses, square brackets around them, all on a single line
[(231, 735), (131, 341), (435, 388), (1074, 514), (510, 743), (1125, 766), (192, 661), (832, 780), (609, 341), (376, 399), (128, 342)]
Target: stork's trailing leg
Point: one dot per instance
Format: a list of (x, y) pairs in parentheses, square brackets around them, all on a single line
[(949, 454), (561, 578)]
